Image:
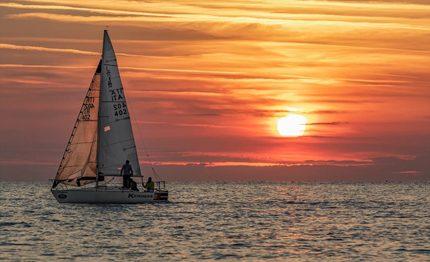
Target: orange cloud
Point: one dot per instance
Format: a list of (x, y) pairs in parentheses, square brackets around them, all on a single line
[(45, 49)]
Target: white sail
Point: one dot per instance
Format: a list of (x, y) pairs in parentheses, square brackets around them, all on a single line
[(78, 166), (115, 142)]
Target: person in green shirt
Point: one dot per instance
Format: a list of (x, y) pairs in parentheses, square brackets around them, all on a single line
[(149, 185)]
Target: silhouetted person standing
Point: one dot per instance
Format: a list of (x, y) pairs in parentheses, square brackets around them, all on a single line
[(126, 172)]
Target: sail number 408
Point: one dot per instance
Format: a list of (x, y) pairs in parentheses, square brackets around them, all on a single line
[(120, 109)]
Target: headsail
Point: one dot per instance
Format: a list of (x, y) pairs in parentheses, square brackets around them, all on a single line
[(78, 166), (115, 137)]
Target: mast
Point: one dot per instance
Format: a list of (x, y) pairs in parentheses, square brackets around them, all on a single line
[(99, 112)]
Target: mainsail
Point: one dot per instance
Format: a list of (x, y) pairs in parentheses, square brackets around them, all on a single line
[(78, 166), (115, 142)]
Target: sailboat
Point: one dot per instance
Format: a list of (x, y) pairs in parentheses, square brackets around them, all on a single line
[(100, 144)]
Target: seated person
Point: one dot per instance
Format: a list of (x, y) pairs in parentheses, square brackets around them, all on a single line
[(149, 185), (133, 185)]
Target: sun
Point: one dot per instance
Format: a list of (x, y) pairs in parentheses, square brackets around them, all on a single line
[(292, 125)]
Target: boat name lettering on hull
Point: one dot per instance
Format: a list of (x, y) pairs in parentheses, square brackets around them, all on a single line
[(132, 195)]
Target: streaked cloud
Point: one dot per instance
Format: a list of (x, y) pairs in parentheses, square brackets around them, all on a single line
[(45, 49)]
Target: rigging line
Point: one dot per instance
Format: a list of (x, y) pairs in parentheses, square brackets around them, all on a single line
[(107, 182), (144, 146), (143, 142)]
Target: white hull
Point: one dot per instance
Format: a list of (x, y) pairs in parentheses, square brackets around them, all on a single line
[(103, 195)]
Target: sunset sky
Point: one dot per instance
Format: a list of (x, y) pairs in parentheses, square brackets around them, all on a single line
[(207, 81)]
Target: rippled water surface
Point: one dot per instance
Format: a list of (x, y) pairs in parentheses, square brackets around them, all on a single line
[(249, 221)]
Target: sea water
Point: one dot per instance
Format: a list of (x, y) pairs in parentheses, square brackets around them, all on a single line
[(232, 221)]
